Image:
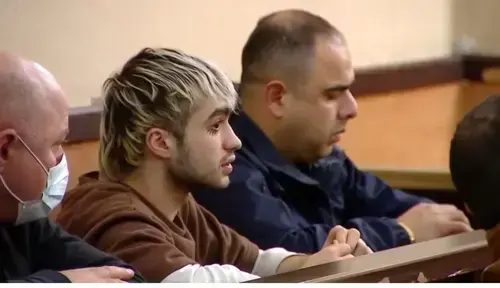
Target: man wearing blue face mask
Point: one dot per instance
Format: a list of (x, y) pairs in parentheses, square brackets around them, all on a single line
[(33, 125)]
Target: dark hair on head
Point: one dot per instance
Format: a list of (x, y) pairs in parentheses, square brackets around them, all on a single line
[(475, 161), (281, 44)]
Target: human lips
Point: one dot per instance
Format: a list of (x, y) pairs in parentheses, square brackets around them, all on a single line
[(337, 136), (227, 168), (228, 160)]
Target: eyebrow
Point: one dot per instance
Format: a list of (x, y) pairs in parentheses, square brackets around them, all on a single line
[(225, 111), (339, 87)]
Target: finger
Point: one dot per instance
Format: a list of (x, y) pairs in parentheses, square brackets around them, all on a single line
[(115, 272), (453, 213), (341, 235), (353, 235), (456, 227), (329, 239), (459, 216), (341, 249), (446, 208), (114, 280), (348, 256), (362, 248), (332, 235)]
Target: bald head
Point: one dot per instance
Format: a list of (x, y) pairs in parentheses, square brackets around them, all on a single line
[(33, 125), (294, 19), (28, 93), (282, 46)]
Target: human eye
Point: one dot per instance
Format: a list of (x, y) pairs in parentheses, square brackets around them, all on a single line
[(214, 128)]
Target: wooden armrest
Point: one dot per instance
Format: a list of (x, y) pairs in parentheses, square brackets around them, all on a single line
[(414, 178), (435, 259), (491, 75)]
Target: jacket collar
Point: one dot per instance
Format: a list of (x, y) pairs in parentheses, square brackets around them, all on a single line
[(254, 140)]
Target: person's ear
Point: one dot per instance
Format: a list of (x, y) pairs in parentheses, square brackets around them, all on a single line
[(274, 94), (7, 137), (160, 143)]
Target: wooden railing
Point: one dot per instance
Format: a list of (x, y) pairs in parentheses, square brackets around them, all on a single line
[(426, 261)]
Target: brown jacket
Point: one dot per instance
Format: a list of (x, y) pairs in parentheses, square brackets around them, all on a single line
[(117, 219)]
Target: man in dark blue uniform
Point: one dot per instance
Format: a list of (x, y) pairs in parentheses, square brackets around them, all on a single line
[(291, 184)]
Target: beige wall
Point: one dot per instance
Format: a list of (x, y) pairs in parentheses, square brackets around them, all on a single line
[(82, 41), (477, 20)]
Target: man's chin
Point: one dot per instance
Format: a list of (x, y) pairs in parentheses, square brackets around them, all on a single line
[(327, 150), (223, 183), (220, 183)]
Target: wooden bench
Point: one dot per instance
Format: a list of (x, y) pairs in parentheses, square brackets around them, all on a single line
[(82, 157), (434, 260)]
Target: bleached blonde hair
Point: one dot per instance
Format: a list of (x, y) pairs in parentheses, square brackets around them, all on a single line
[(156, 88)]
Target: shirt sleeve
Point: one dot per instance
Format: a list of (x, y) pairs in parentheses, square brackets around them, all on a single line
[(269, 260), (267, 264), (214, 273)]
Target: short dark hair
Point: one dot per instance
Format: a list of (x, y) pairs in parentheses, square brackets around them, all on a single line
[(282, 43), (475, 161)]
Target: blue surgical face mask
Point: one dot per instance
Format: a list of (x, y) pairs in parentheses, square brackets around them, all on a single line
[(57, 181), (35, 209)]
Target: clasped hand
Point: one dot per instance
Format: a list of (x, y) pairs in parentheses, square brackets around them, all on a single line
[(340, 244)]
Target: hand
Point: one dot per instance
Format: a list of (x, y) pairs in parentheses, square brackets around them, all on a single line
[(362, 249), (331, 253), (352, 237), (430, 221), (105, 274)]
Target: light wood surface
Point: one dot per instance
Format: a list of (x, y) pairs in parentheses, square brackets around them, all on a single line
[(435, 260), (404, 136), (414, 178), (82, 157)]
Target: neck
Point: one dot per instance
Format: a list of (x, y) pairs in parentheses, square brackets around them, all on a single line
[(158, 188), (8, 211), (268, 126)]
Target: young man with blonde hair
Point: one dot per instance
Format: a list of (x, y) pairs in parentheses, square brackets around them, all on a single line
[(164, 132)]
